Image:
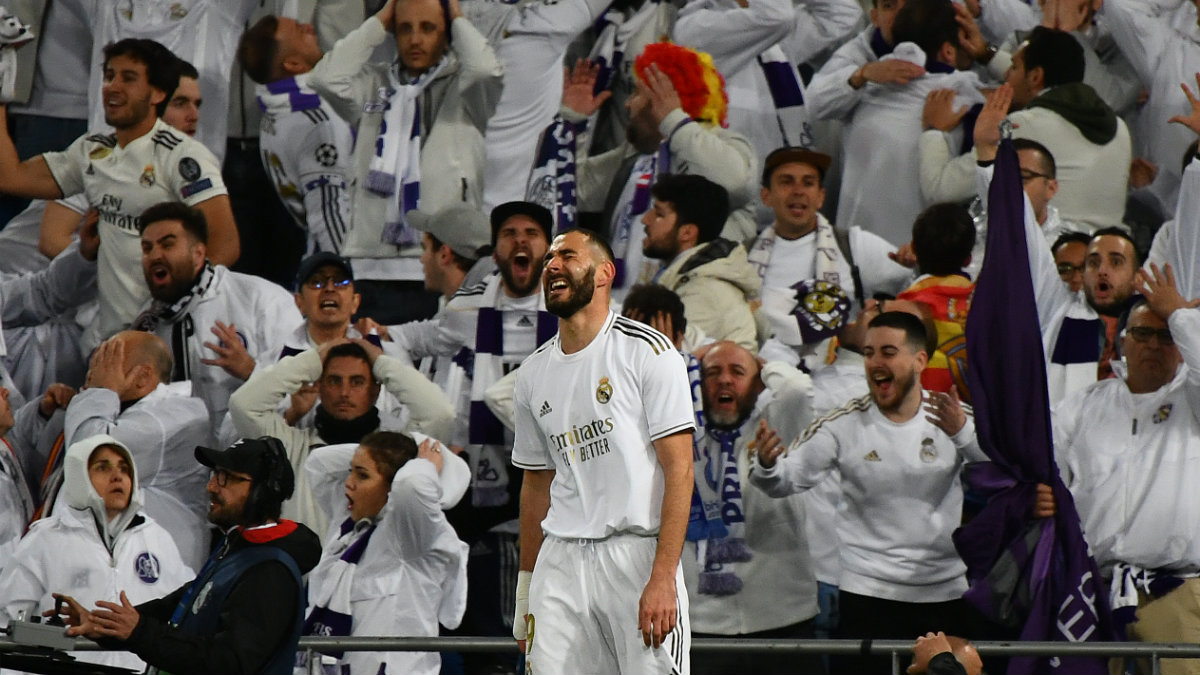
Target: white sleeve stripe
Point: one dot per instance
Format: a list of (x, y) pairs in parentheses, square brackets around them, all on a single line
[(686, 426), (522, 465)]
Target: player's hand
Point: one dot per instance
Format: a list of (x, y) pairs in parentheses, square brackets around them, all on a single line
[(767, 445), (656, 611), (1044, 505), (579, 86), (927, 647), (945, 411), (57, 396), (114, 620), (231, 352)]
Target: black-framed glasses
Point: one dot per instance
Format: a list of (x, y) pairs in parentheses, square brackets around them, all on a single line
[(1027, 175), (1065, 268), (332, 282), (223, 477), (1144, 333)]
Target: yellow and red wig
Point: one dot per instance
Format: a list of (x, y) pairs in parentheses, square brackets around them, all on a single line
[(701, 88)]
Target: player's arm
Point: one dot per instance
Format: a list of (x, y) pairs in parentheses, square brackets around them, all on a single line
[(31, 178), (656, 610), (224, 246), (59, 224), (535, 504)]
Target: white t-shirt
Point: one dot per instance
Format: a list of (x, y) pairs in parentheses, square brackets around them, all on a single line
[(163, 165), (593, 417)]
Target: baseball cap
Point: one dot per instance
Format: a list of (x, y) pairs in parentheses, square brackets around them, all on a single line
[(316, 261), (248, 456), (538, 213), (461, 227), (786, 155)]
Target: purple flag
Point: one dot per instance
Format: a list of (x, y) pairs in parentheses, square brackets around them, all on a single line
[(1035, 576)]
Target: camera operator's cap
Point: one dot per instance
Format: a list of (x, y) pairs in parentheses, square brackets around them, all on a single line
[(786, 155), (249, 456), (461, 227), (316, 261), (535, 212)]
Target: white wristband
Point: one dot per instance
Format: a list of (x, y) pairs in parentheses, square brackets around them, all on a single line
[(519, 624)]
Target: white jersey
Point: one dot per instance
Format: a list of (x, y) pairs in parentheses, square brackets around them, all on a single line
[(901, 498), (593, 417), (306, 150), (122, 182), (204, 33)]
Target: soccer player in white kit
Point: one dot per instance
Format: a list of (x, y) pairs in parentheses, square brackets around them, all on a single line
[(603, 422)]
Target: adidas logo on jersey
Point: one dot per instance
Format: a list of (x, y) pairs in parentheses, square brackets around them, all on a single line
[(524, 322), (872, 456), (546, 409)]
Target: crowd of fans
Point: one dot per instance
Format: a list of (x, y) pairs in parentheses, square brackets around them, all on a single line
[(340, 210)]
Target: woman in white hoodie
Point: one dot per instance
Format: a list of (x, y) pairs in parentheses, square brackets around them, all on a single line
[(98, 544), (394, 566)]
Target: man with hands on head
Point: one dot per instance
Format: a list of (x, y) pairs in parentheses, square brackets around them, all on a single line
[(900, 573)]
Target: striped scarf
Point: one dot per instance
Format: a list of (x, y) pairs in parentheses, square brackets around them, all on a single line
[(331, 614), (788, 96), (552, 180), (395, 169)]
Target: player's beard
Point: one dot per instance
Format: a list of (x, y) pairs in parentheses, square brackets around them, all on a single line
[(579, 293)]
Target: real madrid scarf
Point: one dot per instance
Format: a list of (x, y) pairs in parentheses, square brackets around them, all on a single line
[(645, 170), (489, 482), (552, 180), (787, 94), (780, 304), (332, 614), (289, 95), (717, 471), (612, 40), (395, 169), (176, 315)]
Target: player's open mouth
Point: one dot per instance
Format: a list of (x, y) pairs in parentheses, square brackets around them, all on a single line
[(882, 381), (558, 285)]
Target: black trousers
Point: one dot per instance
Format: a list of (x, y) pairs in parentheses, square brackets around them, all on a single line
[(878, 619), (735, 663)]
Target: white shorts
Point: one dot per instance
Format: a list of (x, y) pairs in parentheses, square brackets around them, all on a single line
[(583, 606)]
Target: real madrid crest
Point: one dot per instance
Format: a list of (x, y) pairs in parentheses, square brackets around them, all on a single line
[(147, 179), (929, 451), (604, 391)]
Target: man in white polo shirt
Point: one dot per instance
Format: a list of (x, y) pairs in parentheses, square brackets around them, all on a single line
[(143, 162), (604, 417)]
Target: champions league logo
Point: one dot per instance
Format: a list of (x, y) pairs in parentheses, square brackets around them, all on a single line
[(146, 567), (821, 309)]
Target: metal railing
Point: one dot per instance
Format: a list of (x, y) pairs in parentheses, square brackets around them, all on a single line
[(897, 650)]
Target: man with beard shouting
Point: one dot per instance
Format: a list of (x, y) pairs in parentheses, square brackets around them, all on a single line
[(604, 423), (901, 495)]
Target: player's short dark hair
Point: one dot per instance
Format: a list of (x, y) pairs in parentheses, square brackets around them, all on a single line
[(914, 328), (1057, 53), (191, 218), (1045, 157), (646, 300), (1120, 232), (162, 69), (258, 49), (943, 237), (390, 450), (595, 239), (1068, 237), (697, 201), (351, 350), (927, 23)]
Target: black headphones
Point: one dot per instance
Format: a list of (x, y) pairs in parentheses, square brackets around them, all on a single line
[(276, 485)]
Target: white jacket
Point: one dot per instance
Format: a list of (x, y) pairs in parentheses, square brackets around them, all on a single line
[(253, 408), (779, 587), (261, 311), (1132, 462), (412, 575), (76, 552), (162, 431)]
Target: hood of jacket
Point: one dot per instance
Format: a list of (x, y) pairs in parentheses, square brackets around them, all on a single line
[(1080, 105), (718, 259), (81, 495)]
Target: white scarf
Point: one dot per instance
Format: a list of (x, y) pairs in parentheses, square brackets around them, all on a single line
[(781, 302), (395, 169), (332, 614), (289, 95)]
